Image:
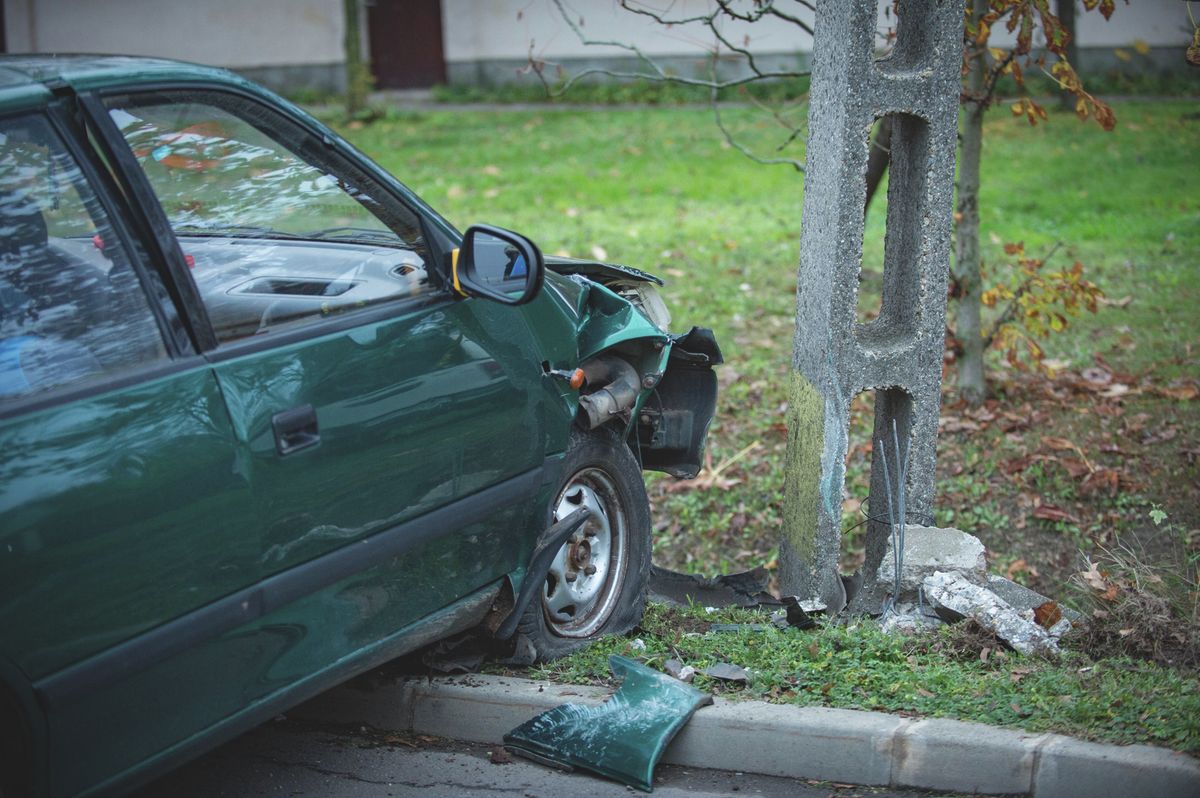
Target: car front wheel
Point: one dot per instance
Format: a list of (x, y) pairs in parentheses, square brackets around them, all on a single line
[(596, 584)]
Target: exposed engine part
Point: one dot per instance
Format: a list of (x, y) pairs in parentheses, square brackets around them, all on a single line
[(645, 297), (619, 389)]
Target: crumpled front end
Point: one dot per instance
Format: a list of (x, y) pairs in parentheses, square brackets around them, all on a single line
[(626, 370)]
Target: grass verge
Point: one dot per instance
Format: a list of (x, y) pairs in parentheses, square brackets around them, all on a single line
[(954, 673)]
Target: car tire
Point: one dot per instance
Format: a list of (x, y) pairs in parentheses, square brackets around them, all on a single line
[(572, 606)]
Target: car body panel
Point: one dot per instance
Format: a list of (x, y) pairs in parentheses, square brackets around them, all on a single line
[(85, 545)]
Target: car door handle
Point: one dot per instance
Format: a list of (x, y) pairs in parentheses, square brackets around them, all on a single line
[(295, 429)]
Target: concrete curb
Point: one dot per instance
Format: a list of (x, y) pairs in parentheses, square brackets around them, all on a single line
[(843, 745)]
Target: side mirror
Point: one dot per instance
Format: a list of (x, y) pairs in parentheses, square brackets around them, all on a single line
[(499, 265)]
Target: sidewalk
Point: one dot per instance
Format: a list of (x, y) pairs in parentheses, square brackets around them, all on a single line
[(839, 745)]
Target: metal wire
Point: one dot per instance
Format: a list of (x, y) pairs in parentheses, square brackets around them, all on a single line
[(897, 512)]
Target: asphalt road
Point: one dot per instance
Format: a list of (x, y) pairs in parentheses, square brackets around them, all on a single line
[(302, 758)]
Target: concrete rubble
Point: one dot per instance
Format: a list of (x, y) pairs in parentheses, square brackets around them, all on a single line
[(929, 549), (955, 598), (944, 578)]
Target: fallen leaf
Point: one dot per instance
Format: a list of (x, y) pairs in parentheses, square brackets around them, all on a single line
[(1048, 614), (599, 253), (1116, 391), (500, 756), (921, 691), (1115, 303), (1058, 444), (1049, 512), (1184, 393), (1094, 578)]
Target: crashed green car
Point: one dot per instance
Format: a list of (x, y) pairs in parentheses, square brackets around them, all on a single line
[(267, 421)]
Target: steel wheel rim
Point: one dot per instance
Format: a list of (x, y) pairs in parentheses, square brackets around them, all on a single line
[(576, 603)]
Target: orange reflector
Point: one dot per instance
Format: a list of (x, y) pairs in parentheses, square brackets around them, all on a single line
[(577, 379)]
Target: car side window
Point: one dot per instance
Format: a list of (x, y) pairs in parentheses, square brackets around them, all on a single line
[(277, 230), (72, 309)]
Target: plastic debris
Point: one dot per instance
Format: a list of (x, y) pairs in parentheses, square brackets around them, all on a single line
[(622, 738), (745, 589), (727, 672)]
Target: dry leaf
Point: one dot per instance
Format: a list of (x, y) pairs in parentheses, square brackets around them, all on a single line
[(1048, 512), (1058, 444), (1048, 614)]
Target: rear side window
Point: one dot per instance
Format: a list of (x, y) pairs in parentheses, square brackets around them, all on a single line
[(72, 310), (278, 230)]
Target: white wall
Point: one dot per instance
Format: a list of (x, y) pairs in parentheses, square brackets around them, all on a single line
[(232, 33), (504, 29)]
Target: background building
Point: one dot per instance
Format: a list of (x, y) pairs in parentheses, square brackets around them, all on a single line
[(296, 45)]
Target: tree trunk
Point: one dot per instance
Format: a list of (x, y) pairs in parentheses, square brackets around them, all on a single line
[(1066, 15), (971, 384), (877, 161), (356, 71)]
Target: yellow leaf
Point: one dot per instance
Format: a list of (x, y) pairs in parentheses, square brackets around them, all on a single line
[(1122, 54), (997, 53), (1018, 108), (1141, 47)]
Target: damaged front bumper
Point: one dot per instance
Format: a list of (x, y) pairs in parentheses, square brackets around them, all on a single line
[(659, 387)]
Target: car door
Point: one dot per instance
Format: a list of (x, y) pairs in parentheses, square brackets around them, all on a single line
[(123, 510), (372, 410)]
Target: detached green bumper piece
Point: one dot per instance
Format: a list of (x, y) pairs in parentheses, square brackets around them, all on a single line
[(622, 738)]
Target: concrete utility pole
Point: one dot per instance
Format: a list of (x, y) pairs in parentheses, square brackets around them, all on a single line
[(899, 354)]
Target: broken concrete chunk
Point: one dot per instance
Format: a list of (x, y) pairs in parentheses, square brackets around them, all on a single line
[(684, 673), (1059, 629), (954, 597), (1022, 598), (929, 549), (910, 618)]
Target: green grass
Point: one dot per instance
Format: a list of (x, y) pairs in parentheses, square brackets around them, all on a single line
[(936, 675)]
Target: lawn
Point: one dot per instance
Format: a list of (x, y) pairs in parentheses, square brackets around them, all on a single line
[(1101, 458)]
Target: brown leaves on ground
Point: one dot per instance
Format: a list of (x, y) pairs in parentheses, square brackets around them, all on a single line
[(1134, 611), (1055, 464)]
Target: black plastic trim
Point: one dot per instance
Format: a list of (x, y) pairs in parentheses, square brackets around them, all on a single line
[(108, 194), (539, 565), (146, 211), (276, 591)]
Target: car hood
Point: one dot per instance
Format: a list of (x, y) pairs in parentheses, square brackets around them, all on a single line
[(599, 271)]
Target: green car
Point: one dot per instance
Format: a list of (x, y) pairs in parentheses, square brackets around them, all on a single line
[(267, 421)]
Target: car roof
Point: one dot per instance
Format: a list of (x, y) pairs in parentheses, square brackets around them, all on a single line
[(30, 79)]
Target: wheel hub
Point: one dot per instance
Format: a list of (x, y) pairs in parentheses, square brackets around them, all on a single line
[(584, 579)]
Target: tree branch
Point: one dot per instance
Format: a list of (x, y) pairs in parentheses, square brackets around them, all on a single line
[(1010, 310), (658, 74)]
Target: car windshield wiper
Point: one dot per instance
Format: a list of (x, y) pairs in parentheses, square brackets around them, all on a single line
[(236, 231), (357, 234)]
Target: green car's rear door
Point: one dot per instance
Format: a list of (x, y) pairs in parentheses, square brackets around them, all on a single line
[(122, 505)]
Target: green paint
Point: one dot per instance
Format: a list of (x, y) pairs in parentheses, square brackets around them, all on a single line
[(802, 468)]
